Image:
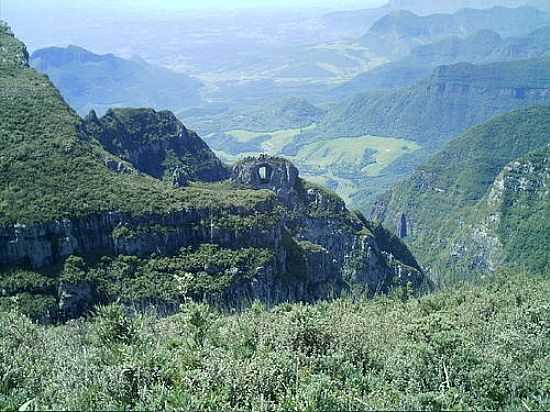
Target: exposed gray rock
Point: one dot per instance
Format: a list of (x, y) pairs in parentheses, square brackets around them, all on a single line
[(403, 227), (76, 298), (270, 173)]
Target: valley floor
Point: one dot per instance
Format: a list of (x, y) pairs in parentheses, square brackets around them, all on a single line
[(472, 347)]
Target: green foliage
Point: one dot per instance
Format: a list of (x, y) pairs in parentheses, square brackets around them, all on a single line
[(447, 198), (29, 292), (332, 207), (473, 347), (155, 143), (114, 326), (41, 307), (48, 171), (256, 221), (525, 205), (440, 107), (126, 232), (196, 273)]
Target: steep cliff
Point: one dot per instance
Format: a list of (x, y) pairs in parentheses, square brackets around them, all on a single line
[(80, 225), (482, 202), (434, 110), (155, 143)]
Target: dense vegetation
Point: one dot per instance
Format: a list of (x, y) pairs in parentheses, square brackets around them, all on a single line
[(48, 171), (97, 82), (200, 273), (523, 205), (433, 111), (484, 347), (155, 143), (449, 197)]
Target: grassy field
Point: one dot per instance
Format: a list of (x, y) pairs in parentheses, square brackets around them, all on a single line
[(278, 140), (338, 163), (350, 151)]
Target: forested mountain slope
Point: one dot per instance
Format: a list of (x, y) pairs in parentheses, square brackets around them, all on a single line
[(483, 202)]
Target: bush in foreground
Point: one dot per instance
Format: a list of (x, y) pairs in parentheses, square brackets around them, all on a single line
[(485, 347)]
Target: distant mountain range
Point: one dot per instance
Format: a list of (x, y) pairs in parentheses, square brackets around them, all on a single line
[(434, 110), (481, 47), (89, 81), (450, 6), (483, 201), (355, 23), (398, 33)]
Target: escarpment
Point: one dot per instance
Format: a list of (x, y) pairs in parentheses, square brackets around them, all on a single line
[(481, 203), (155, 143), (133, 207)]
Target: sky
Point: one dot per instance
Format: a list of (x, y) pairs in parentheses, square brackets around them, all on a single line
[(136, 5)]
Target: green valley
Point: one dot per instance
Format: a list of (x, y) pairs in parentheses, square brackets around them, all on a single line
[(342, 164)]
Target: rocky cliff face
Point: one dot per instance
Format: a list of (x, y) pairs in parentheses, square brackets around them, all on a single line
[(321, 219), (155, 143), (81, 226), (481, 202), (116, 233), (512, 224), (317, 247)]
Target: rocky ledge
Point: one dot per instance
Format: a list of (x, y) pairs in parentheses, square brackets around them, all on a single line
[(313, 247)]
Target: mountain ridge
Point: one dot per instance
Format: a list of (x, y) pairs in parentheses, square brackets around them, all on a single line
[(91, 81), (436, 109), (399, 32), (463, 197), (80, 226)]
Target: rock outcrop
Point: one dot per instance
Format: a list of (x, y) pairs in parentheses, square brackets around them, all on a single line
[(155, 143), (320, 218), (270, 173), (318, 247)]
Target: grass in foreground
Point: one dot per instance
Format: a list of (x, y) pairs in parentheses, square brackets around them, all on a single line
[(485, 347)]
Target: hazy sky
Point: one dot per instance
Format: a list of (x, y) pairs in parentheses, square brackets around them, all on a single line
[(136, 5)]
